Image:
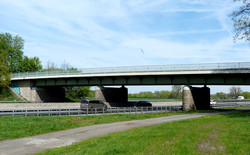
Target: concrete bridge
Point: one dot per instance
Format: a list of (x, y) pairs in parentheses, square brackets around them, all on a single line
[(48, 86)]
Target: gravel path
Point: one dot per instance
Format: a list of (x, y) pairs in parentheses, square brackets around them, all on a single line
[(39, 143)]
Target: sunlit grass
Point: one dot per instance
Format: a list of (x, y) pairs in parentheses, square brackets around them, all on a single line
[(19, 126), (217, 134)]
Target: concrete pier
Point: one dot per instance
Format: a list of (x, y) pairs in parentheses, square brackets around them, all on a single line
[(196, 98)]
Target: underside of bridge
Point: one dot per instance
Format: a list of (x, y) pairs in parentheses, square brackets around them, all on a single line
[(194, 98)]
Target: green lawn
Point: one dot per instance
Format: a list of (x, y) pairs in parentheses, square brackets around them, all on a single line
[(217, 134), (19, 126)]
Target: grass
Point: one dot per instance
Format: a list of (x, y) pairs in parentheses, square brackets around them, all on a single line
[(19, 126), (218, 134), (5, 95)]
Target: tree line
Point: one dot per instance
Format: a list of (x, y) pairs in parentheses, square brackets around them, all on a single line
[(234, 92)]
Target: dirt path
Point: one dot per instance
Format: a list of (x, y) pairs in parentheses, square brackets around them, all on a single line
[(39, 143)]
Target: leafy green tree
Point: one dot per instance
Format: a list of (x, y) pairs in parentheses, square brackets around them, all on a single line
[(220, 95), (77, 93), (241, 19), (4, 70), (13, 46), (29, 64), (245, 94)]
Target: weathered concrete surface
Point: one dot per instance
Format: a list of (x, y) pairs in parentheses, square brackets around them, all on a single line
[(39, 143), (29, 106)]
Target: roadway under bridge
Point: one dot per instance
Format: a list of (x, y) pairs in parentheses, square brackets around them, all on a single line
[(48, 86)]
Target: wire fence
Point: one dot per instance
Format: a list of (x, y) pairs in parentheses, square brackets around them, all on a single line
[(138, 69)]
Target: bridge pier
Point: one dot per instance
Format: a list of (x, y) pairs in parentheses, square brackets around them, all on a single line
[(30, 92), (114, 96), (196, 98)]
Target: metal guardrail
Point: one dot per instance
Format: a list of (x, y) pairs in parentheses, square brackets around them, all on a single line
[(95, 111), (117, 110), (137, 69), (228, 105)]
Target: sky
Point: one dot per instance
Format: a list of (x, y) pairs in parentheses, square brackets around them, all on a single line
[(106, 33)]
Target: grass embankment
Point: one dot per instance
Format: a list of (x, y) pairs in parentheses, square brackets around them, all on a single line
[(5, 95), (217, 134), (19, 126)]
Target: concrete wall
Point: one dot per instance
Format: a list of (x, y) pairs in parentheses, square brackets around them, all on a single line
[(40, 94), (195, 98), (29, 106), (116, 97)]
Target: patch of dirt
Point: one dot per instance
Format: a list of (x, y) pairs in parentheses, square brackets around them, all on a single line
[(210, 147)]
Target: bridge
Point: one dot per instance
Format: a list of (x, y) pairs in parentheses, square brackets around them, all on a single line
[(40, 85)]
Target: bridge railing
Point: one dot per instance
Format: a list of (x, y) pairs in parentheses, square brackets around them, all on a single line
[(133, 69)]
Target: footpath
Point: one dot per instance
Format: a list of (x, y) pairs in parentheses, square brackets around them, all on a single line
[(40, 143)]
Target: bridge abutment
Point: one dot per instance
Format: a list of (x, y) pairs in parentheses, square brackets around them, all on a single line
[(114, 96), (196, 98), (31, 93)]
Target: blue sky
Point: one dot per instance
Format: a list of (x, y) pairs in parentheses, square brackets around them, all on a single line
[(100, 33)]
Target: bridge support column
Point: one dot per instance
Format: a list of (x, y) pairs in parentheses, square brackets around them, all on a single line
[(31, 93), (195, 98), (114, 96)]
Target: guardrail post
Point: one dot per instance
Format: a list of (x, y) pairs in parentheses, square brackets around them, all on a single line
[(69, 111), (25, 112), (117, 110), (136, 110), (95, 111), (103, 110), (13, 112), (37, 113), (87, 111), (123, 110), (141, 110), (130, 110), (78, 112)]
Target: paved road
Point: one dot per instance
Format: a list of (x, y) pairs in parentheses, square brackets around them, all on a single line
[(39, 143)]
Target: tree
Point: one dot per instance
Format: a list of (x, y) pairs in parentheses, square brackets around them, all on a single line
[(13, 46), (176, 89), (241, 21), (220, 95), (4, 70), (29, 64), (245, 94), (234, 92), (76, 93)]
